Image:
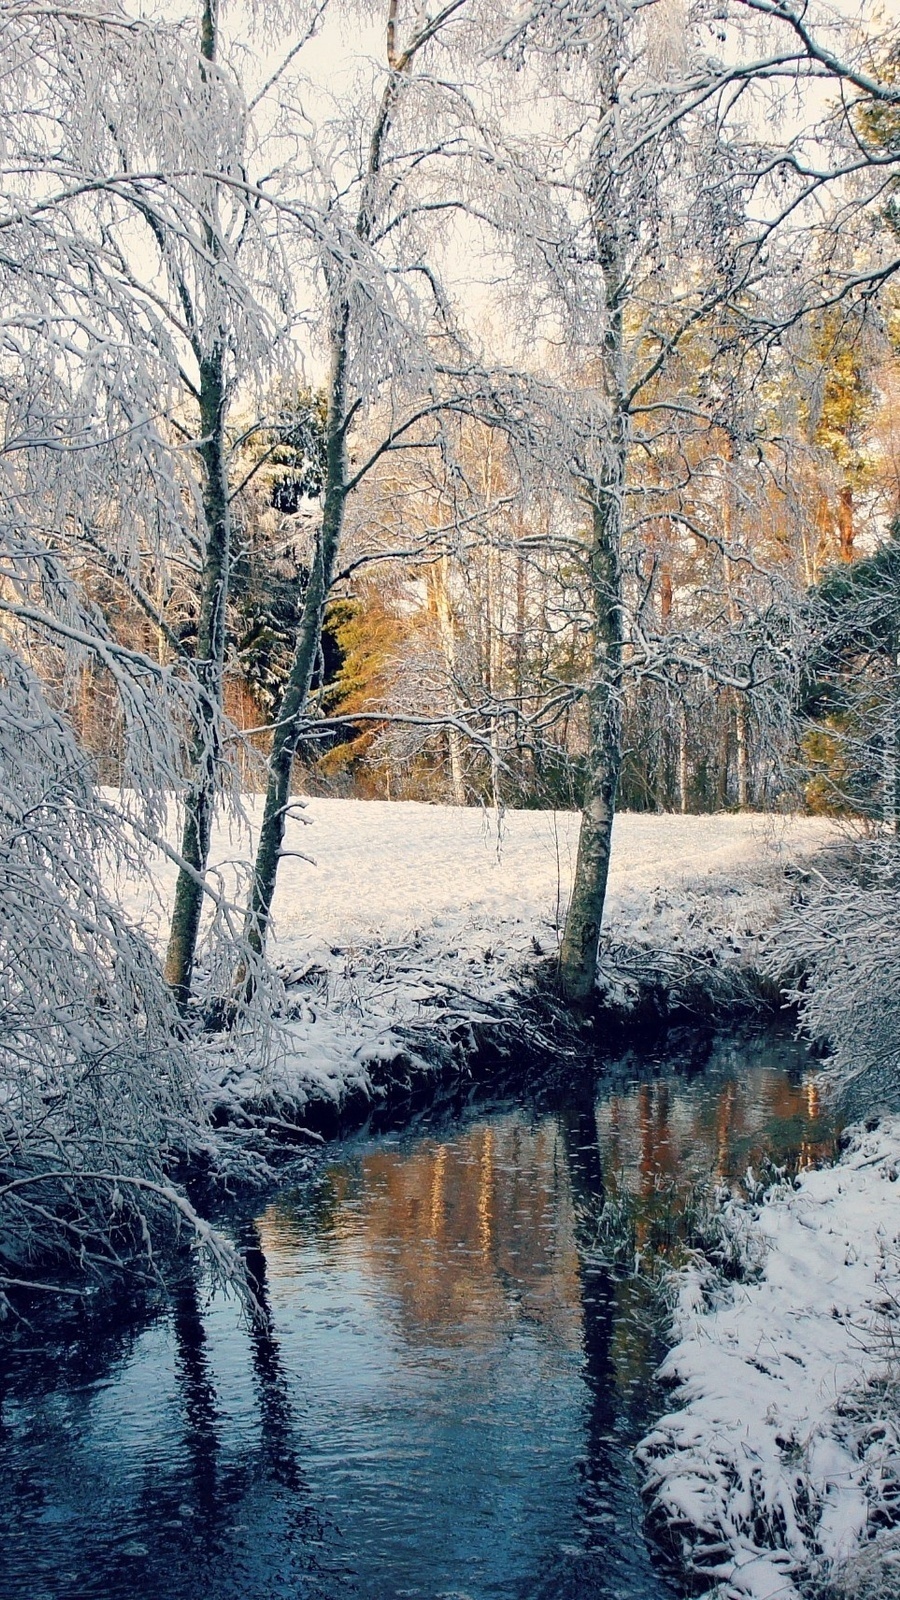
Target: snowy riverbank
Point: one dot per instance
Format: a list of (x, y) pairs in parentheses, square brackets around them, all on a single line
[(779, 1473), (416, 918), (409, 924)]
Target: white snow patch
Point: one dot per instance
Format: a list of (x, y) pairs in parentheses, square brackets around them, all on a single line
[(767, 1474)]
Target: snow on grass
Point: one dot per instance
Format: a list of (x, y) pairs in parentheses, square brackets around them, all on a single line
[(784, 1453), (417, 915)]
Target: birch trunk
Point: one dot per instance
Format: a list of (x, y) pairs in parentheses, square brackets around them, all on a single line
[(741, 719), (846, 523), (309, 633), (683, 796), (205, 750), (891, 791), (742, 751), (579, 950), (447, 632)]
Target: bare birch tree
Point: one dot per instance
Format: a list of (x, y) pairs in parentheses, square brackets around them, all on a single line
[(381, 337)]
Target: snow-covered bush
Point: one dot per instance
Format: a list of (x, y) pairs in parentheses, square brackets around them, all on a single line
[(842, 943), (96, 1093)]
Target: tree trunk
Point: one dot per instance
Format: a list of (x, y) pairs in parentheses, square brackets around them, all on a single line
[(309, 633), (741, 720), (579, 949), (205, 750), (742, 751), (890, 809), (683, 795), (665, 594), (210, 658), (846, 527), (447, 632), (724, 713)]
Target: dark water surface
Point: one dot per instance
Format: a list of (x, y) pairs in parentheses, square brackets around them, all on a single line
[(442, 1398)]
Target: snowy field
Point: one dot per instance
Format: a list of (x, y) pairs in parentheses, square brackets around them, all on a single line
[(387, 871), (412, 915), (781, 1468)]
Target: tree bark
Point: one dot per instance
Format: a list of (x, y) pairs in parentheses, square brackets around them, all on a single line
[(205, 752), (846, 522), (683, 781), (742, 751), (309, 633), (579, 949), (741, 718), (447, 634), (210, 660), (724, 713)]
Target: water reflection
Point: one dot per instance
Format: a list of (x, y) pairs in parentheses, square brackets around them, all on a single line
[(464, 1234), (658, 1138), (441, 1388)]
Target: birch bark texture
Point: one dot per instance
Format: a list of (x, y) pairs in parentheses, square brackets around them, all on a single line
[(205, 754), (604, 495)]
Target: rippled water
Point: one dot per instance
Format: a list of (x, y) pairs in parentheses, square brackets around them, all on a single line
[(443, 1394)]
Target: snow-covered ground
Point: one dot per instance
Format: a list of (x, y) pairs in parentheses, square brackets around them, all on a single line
[(784, 1453), (416, 915)]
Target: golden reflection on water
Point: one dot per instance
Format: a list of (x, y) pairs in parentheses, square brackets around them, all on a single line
[(665, 1134), (464, 1235)]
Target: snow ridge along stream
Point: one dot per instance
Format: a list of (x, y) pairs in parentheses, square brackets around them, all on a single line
[(410, 914), (780, 1471)]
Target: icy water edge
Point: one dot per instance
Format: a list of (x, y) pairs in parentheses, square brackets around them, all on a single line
[(442, 1398)]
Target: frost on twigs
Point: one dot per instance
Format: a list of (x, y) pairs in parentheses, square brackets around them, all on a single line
[(842, 942), (96, 1095)]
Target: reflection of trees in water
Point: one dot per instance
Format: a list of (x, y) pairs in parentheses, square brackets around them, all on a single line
[(662, 1135), (467, 1233), (280, 1440), (198, 1397), (265, 1492), (186, 1505), (53, 1363), (50, 1345), (617, 1385), (490, 1226)]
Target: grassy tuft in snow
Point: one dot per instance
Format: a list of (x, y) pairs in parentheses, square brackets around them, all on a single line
[(706, 1228)]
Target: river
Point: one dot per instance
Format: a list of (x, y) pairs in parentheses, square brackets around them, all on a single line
[(442, 1395)]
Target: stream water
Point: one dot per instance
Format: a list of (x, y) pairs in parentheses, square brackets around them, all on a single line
[(441, 1398)]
